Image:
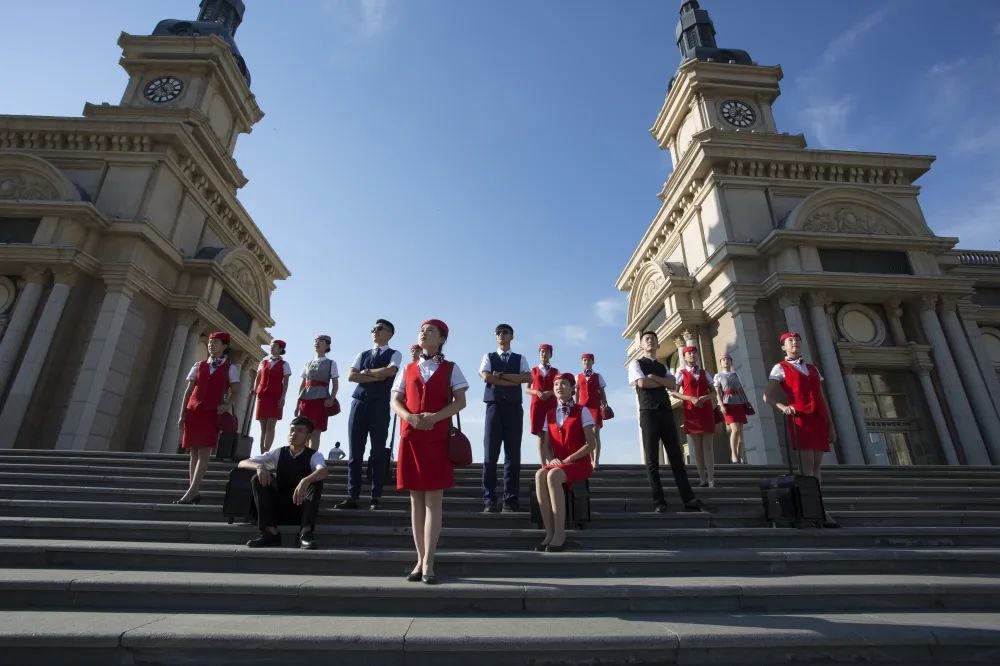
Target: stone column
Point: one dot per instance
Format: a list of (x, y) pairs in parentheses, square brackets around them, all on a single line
[(20, 323), (937, 415), (762, 443), (976, 389), (161, 419), (958, 403), (966, 312), (894, 311), (76, 433), (789, 302), (857, 411), (193, 350), (16, 406), (836, 391)]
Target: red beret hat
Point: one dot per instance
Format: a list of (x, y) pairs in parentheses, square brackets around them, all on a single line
[(565, 376), (415, 348), (785, 336), (689, 348), (325, 338), (587, 355), (545, 345), (280, 343), (220, 335), (438, 324)]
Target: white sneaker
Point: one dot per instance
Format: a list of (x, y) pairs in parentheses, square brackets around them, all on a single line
[(711, 484)]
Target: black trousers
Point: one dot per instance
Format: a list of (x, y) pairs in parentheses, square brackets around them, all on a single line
[(657, 425), (275, 506), (504, 426), (366, 421)]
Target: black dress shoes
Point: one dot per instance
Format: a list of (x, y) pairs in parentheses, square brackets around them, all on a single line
[(346, 504), (511, 507), (696, 505), (491, 508), (429, 579), (660, 508), (265, 540), (552, 548), (414, 576), (194, 500), (306, 541), (374, 504), (540, 548), (829, 521)]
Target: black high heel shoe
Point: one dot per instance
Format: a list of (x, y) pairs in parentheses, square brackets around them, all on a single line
[(194, 500)]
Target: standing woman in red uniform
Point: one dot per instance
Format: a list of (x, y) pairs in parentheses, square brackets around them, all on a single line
[(694, 388), (270, 389), (733, 403), (211, 391), (318, 390), (426, 395), (540, 389), (565, 443), (590, 394)]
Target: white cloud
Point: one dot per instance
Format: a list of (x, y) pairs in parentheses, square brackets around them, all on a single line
[(827, 120), (845, 42), (574, 334), (373, 16), (608, 310), (358, 20)]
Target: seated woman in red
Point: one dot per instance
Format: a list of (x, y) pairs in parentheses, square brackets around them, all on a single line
[(211, 390), (426, 394), (564, 446)]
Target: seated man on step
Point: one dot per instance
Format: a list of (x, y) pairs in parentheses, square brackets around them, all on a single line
[(288, 487)]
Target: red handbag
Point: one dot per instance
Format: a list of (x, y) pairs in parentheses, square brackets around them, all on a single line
[(459, 446), (333, 409), (607, 413)]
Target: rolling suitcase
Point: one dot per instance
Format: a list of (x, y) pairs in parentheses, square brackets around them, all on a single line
[(236, 446), (792, 499), (238, 505), (577, 505)]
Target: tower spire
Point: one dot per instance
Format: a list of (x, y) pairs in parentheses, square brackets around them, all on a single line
[(696, 37), (215, 17)]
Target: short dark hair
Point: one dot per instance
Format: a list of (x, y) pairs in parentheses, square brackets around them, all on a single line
[(303, 421), (504, 327), (645, 333), (387, 324)]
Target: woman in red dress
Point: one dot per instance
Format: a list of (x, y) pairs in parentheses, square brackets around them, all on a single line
[(564, 446), (733, 403), (590, 387), (694, 388), (270, 389), (426, 394), (540, 389), (210, 392)]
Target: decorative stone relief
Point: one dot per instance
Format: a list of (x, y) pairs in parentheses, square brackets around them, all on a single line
[(650, 290), (846, 220), (243, 276), (861, 325), (26, 186)]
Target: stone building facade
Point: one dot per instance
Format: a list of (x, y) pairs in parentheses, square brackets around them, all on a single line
[(758, 234), (123, 244)]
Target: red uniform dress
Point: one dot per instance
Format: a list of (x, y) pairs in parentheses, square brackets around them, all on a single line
[(590, 395), (201, 415), (268, 388), (538, 407), (697, 420), (566, 440), (423, 462), (805, 394)]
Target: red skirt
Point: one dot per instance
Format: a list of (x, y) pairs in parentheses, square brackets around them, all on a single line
[(812, 432), (537, 411), (735, 414), (201, 429), (577, 470), (423, 466), (315, 411), (699, 420), (267, 408), (598, 419)]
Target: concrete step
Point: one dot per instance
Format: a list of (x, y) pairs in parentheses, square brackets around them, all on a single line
[(741, 505), (196, 592), (32, 638), (512, 539), (70, 554), (152, 512)]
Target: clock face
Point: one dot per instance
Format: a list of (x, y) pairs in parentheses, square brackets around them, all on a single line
[(737, 113), (163, 89)]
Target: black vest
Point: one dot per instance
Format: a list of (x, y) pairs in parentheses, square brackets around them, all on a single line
[(376, 392), (653, 398), (504, 393), (290, 469)]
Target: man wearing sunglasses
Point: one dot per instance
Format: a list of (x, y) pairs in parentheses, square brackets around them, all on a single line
[(373, 371)]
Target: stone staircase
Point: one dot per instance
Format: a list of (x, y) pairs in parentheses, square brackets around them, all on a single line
[(96, 567)]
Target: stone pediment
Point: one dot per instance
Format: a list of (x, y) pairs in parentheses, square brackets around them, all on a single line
[(29, 178), (848, 220), (852, 210)]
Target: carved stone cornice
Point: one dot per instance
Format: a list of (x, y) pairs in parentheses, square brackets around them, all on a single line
[(65, 275), (789, 298), (38, 274), (779, 239)]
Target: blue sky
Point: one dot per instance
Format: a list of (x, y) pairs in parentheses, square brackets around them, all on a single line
[(490, 161)]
